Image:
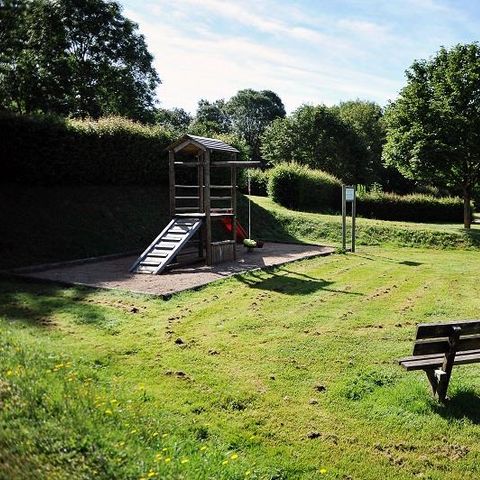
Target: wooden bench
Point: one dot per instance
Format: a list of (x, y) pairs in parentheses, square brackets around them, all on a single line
[(440, 346)]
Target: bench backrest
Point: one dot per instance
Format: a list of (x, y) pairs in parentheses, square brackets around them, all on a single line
[(432, 338)]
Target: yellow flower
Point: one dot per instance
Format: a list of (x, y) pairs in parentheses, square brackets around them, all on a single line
[(323, 471), (203, 448), (9, 373), (155, 434), (151, 474), (168, 459), (184, 460), (133, 431), (234, 456), (164, 449), (165, 435), (224, 462), (108, 411)]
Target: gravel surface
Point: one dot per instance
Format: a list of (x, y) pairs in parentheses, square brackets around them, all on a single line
[(113, 273)]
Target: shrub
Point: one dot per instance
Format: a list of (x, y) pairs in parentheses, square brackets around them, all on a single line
[(410, 208), (301, 188), (258, 181), (43, 150)]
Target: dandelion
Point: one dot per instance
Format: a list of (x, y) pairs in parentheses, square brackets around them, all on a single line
[(202, 449), (133, 431), (234, 456), (168, 460), (323, 471), (165, 435), (151, 474), (108, 411), (164, 449), (9, 373), (184, 460)]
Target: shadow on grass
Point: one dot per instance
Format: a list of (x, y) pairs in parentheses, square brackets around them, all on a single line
[(290, 283), (36, 303), (464, 404), (373, 257)]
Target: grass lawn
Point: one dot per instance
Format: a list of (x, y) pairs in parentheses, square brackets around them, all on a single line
[(283, 374), (275, 222)]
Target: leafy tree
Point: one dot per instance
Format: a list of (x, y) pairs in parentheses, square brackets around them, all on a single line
[(72, 57), (317, 137), (251, 112), (176, 118), (211, 118), (433, 129)]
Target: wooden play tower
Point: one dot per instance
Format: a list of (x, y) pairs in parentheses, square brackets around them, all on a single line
[(196, 204)]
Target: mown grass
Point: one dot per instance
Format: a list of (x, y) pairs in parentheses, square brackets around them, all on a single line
[(274, 222), (282, 374)]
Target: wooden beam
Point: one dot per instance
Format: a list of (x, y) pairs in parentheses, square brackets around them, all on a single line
[(233, 182), (206, 201), (171, 179)]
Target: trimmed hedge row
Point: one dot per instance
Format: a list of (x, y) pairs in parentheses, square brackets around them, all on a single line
[(43, 150), (300, 188), (258, 181)]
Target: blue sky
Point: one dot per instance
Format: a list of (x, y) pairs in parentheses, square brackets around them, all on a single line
[(307, 51)]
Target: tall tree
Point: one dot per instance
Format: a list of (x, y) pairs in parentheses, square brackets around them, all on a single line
[(317, 137), (433, 128), (251, 112), (74, 57), (211, 118), (176, 118)]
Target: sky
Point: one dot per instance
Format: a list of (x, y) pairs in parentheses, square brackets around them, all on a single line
[(307, 51)]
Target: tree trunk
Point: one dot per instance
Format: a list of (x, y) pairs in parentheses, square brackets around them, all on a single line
[(467, 213)]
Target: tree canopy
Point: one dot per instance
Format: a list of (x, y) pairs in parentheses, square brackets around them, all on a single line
[(176, 119), (317, 137), (251, 112), (433, 129), (76, 58), (211, 118)]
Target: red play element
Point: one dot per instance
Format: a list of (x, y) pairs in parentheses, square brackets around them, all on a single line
[(241, 232)]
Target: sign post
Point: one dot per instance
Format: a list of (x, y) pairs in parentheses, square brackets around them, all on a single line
[(349, 195)]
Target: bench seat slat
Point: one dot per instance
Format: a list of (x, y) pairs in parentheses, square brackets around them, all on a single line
[(434, 330), (440, 345), (421, 363)]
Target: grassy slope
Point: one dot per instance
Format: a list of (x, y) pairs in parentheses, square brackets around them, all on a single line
[(273, 221), (62, 223), (94, 384)]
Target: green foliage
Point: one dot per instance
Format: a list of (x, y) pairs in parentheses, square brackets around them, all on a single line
[(176, 119), (74, 58), (111, 151), (410, 208), (432, 128), (315, 136), (258, 181), (211, 119), (301, 188), (251, 112)]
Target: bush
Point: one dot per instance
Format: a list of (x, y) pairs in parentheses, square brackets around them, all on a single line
[(258, 181), (300, 188), (44, 150), (410, 208)]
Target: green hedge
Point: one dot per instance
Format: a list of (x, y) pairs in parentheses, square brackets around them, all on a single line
[(42, 150), (410, 208), (258, 181), (300, 188)]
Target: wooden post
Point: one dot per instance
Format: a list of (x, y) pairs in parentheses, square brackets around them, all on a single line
[(354, 214), (344, 219), (206, 196), (171, 179), (233, 183), (443, 375), (201, 206)]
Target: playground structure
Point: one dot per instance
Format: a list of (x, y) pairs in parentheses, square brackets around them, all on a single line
[(196, 205)]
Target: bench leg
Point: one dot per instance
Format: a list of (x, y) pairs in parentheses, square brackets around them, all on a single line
[(433, 380), (443, 381)]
